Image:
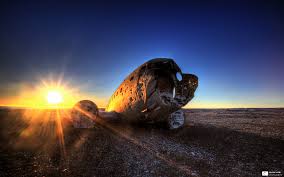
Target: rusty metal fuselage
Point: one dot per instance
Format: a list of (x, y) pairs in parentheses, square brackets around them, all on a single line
[(153, 92)]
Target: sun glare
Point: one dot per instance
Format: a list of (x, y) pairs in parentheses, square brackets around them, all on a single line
[(54, 97), (48, 93)]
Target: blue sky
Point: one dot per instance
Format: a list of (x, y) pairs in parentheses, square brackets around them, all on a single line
[(236, 48)]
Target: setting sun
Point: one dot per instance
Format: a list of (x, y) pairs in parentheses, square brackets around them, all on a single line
[(54, 97)]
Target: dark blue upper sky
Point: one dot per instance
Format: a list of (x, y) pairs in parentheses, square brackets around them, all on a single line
[(236, 48)]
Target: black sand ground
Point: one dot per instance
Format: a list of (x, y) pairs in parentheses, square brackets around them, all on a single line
[(233, 143)]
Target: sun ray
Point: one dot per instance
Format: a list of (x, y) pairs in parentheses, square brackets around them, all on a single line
[(60, 134)]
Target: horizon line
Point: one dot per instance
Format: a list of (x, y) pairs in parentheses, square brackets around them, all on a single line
[(27, 107)]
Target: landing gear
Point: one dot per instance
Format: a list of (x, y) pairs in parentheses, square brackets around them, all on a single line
[(176, 119)]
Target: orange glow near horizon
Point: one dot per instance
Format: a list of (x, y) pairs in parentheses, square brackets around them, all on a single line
[(48, 93)]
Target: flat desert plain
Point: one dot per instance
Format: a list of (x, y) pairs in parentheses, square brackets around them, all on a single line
[(214, 142)]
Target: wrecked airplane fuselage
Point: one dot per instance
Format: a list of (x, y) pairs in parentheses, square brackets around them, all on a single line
[(154, 92)]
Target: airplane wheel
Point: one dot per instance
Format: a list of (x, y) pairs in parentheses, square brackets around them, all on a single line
[(176, 119)]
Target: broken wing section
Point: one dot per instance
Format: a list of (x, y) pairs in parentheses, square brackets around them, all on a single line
[(85, 114)]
